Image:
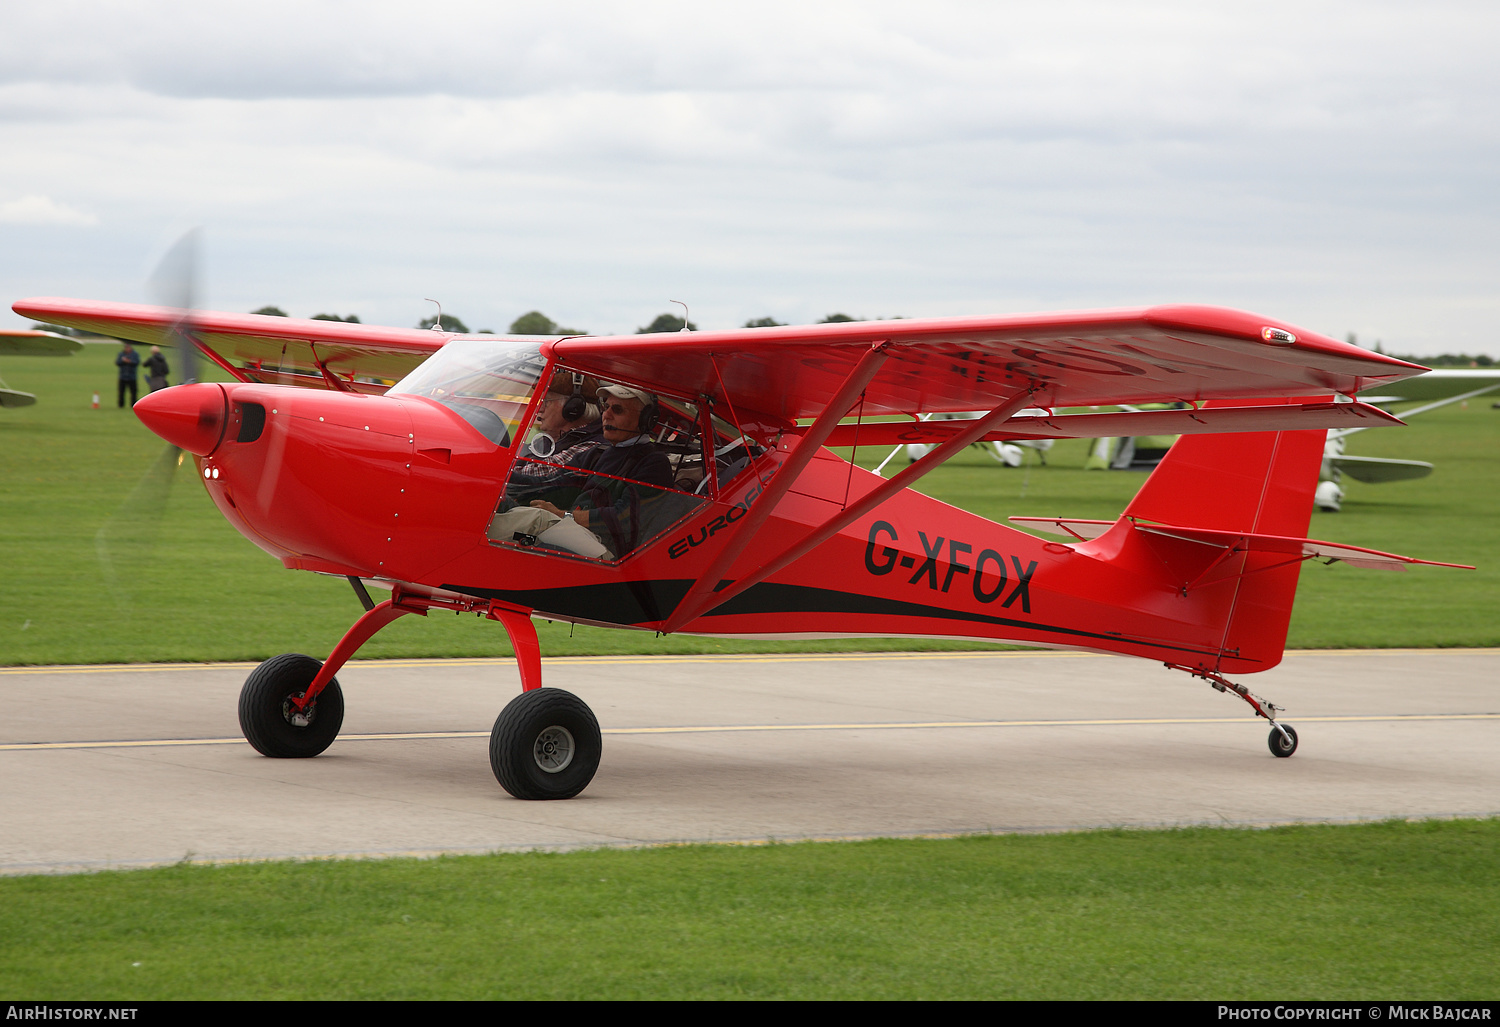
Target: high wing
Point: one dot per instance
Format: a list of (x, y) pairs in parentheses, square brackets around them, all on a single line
[(959, 364), (950, 364), (20, 342), (256, 348)]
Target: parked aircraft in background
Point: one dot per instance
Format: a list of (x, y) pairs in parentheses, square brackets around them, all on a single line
[(1442, 386), (23, 342), (1008, 453)]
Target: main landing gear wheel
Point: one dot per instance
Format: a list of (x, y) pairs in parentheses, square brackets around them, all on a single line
[(1282, 745), (277, 728), (545, 745)]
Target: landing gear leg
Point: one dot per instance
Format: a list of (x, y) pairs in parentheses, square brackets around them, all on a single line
[(1283, 740), (523, 640), (546, 743), (291, 705)]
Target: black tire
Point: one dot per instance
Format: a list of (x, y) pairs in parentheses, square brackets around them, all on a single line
[(1279, 745), (545, 745), (265, 711)]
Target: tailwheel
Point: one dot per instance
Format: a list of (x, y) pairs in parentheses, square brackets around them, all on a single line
[(546, 745), (270, 720), (1283, 740)]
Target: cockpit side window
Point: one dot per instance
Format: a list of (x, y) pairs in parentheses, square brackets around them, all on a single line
[(606, 468), (733, 453)]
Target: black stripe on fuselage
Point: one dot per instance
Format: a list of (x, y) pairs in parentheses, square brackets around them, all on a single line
[(633, 603)]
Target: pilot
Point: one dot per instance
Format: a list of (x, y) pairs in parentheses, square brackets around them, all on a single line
[(609, 482)]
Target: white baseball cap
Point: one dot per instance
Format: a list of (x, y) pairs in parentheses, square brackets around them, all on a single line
[(626, 392)]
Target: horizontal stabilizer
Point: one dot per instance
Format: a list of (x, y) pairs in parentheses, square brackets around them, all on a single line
[(1378, 468), (1202, 421), (1300, 548), (12, 398), (21, 342), (1071, 527)]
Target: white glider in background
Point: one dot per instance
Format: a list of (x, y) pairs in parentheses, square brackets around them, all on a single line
[(22, 342), (1443, 387)]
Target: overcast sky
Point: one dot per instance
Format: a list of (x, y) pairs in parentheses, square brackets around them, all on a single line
[(1332, 164)]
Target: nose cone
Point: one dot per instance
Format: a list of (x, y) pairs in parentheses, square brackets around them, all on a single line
[(191, 417)]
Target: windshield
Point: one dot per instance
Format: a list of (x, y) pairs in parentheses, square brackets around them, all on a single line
[(486, 382)]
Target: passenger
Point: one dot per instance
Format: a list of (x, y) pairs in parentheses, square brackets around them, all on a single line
[(567, 417), (608, 483), (561, 439), (568, 425)]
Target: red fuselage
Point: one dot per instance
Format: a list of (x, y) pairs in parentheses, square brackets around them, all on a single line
[(400, 489)]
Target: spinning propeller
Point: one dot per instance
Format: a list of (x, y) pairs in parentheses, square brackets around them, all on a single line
[(134, 528)]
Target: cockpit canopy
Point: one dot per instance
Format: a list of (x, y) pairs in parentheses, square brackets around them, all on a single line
[(487, 382)]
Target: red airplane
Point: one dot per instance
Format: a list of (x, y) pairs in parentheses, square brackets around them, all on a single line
[(707, 501)]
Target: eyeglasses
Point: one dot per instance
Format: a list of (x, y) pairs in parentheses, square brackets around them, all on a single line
[(618, 408)]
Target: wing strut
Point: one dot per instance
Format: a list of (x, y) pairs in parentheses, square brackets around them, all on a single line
[(234, 372), (328, 376), (704, 596), (701, 595)]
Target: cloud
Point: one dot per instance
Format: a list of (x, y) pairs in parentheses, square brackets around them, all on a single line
[(1071, 59), (1329, 162), (42, 210)]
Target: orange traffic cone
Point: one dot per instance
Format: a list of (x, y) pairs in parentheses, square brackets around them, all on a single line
[(96, 401)]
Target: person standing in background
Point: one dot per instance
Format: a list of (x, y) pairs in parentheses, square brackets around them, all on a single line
[(128, 361), (157, 369)]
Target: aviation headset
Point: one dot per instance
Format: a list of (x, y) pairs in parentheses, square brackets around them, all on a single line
[(577, 404), (647, 420), (649, 410)]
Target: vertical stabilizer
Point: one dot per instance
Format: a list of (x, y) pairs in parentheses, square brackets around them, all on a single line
[(1253, 482), (1246, 481)]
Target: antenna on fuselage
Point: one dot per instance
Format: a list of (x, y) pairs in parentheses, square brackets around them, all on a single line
[(685, 313), (437, 325)]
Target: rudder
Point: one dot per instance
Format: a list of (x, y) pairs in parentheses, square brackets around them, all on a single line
[(1253, 482)]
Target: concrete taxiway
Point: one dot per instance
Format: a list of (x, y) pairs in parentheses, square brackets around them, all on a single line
[(131, 766)]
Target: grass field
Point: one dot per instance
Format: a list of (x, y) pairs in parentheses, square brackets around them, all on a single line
[(191, 588), (1391, 910)]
